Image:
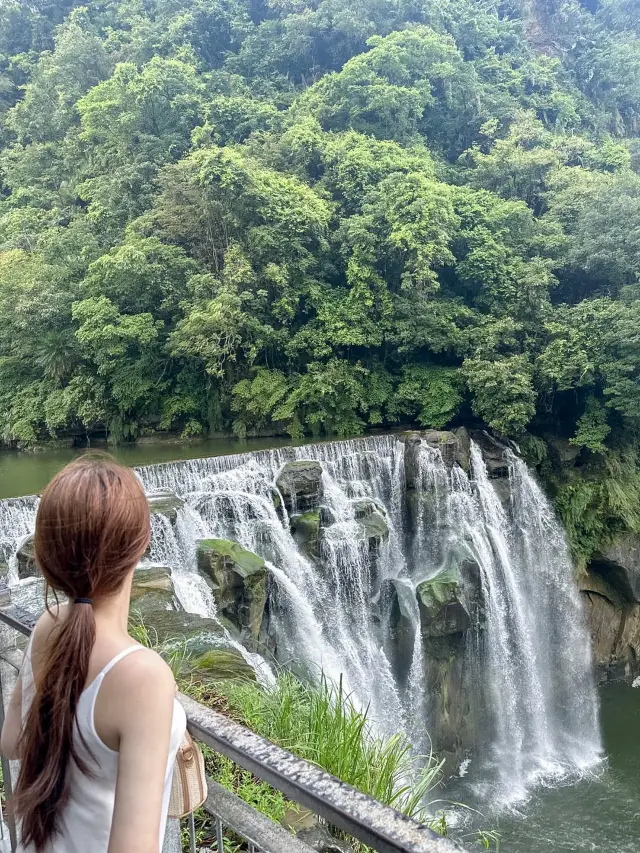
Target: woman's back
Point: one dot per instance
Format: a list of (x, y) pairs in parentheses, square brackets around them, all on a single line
[(94, 718), (86, 818)]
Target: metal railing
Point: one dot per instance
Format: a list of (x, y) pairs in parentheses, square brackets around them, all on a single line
[(372, 823)]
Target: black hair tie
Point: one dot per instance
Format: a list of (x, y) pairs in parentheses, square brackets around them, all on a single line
[(84, 600)]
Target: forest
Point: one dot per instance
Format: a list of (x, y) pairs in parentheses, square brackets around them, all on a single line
[(326, 216)]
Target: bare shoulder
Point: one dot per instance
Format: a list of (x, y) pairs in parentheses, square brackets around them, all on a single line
[(47, 623), (143, 674)]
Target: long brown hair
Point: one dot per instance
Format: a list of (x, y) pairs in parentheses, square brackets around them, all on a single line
[(92, 528)]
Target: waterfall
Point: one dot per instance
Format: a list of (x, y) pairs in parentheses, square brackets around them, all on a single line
[(526, 648)]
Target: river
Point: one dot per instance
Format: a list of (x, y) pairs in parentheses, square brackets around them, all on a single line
[(600, 812), (28, 473)]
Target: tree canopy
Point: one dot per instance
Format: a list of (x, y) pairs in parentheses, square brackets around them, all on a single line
[(320, 216)]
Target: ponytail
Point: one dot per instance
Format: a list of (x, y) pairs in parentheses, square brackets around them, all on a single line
[(92, 528), (46, 743)]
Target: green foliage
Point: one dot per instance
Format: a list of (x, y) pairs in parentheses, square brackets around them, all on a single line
[(430, 394), (321, 724), (600, 501), (316, 218)]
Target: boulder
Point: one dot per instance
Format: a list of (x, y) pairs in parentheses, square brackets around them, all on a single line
[(442, 610), (619, 565), (374, 524), (152, 590), (454, 450), (26, 559), (165, 503), (306, 531), (376, 531), (239, 582), (223, 665), (493, 453), (300, 484), (198, 633), (563, 453)]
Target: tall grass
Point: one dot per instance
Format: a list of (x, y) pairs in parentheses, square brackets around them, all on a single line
[(321, 724), (174, 652)]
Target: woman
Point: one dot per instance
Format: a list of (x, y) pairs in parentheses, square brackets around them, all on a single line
[(94, 718)]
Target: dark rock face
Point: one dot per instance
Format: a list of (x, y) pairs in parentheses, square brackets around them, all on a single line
[(493, 453), (26, 557), (619, 565), (610, 594), (449, 689), (395, 604), (300, 484), (165, 503), (239, 582)]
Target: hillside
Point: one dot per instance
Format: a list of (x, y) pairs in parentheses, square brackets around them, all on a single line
[(222, 215)]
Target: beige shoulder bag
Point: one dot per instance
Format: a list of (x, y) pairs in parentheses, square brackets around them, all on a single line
[(189, 785)]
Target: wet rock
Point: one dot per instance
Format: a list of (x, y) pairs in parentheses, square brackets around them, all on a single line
[(222, 665), (441, 603), (374, 524), (397, 613), (327, 516), (300, 484), (463, 456), (239, 582), (450, 694), (619, 565), (563, 453), (152, 591), (306, 531), (448, 443), (165, 503), (493, 453), (26, 558), (197, 633)]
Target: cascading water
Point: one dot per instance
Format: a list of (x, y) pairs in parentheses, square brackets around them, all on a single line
[(527, 648)]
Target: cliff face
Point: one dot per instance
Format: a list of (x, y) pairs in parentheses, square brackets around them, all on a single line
[(611, 589)]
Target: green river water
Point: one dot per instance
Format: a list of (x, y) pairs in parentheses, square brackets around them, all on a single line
[(599, 813)]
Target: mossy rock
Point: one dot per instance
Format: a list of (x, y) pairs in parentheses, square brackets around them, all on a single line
[(440, 600), (238, 579), (306, 531), (223, 665), (198, 633)]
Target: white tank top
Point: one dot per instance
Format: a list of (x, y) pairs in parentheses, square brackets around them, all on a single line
[(85, 821)]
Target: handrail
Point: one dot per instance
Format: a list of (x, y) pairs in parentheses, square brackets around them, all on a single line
[(376, 825)]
